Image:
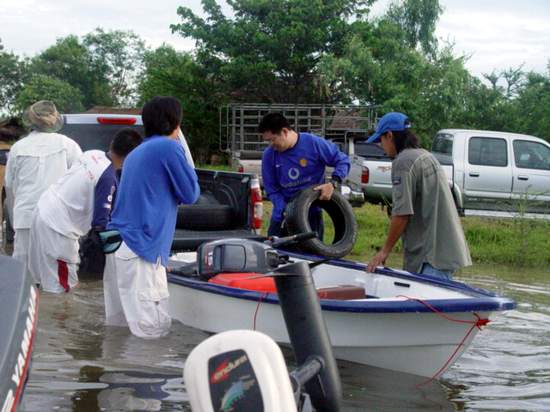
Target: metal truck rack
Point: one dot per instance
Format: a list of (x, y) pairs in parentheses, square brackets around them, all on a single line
[(239, 123)]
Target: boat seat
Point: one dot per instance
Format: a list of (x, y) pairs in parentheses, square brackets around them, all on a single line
[(261, 283), (342, 292)]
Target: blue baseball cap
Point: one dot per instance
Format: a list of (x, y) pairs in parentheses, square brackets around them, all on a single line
[(392, 121)]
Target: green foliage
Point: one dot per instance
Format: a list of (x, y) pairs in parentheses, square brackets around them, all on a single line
[(512, 242), (171, 73), (71, 62), (516, 242), (11, 78), (118, 57), (530, 111), (66, 97), (418, 19), (270, 50)]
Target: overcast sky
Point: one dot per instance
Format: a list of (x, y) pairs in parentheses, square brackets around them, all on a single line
[(497, 34)]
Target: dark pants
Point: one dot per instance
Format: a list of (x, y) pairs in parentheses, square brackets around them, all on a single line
[(315, 219)]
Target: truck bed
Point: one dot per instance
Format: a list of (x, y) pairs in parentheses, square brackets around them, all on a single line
[(185, 240)]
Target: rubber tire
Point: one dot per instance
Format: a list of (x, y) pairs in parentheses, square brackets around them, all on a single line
[(205, 217), (339, 210)]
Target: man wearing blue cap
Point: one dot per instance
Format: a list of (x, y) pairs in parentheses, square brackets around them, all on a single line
[(423, 210)]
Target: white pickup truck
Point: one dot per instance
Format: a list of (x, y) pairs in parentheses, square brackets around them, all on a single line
[(490, 173)]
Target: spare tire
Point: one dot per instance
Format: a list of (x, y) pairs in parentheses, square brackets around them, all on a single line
[(205, 217), (339, 210)]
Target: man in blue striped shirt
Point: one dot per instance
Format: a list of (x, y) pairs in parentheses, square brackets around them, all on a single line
[(294, 161)]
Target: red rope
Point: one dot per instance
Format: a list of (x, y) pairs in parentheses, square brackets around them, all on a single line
[(257, 308), (475, 324)]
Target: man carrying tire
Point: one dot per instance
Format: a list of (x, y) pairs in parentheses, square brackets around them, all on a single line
[(423, 211), (294, 161)]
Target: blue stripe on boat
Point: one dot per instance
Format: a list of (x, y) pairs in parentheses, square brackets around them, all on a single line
[(481, 300)]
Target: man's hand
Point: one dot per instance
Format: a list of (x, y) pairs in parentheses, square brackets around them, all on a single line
[(378, 260), (326, 190), (398, 224)]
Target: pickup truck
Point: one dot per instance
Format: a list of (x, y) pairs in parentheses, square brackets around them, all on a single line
[(490, 173), (370, 172), (230, 204)]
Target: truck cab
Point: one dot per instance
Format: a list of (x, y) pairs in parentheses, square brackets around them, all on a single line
[(496, 172)]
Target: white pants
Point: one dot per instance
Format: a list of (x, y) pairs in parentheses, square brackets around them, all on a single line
[(21, 249), (53, 258), (136, 294)]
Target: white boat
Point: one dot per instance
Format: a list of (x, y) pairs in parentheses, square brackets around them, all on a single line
[(402, 321)]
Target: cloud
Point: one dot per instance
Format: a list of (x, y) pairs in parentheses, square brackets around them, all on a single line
[(498, 36)]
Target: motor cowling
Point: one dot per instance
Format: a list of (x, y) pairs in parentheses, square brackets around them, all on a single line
[(235, 255)]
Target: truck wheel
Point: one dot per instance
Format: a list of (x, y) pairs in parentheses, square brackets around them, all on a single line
[(338, 209)]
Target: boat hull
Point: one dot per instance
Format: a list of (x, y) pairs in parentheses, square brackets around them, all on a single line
[(422, 343)]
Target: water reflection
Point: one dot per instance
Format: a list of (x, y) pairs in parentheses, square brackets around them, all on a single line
[(81, 365)]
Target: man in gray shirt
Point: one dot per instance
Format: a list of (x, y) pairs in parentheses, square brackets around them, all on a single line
[(424, 213)]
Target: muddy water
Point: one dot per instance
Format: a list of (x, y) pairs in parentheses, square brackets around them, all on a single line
[(81, 365)]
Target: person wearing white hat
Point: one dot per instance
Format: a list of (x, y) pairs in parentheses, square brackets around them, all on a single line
[(34, 163)]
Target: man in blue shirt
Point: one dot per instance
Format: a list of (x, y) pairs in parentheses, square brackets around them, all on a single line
[(156, 177), (294, 161)]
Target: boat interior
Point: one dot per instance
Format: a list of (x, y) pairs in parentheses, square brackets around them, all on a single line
[(349, 281)]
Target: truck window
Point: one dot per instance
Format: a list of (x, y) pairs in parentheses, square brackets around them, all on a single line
[(94, 136), (487, 151), (443, 143), (531, 155), (364, 149)]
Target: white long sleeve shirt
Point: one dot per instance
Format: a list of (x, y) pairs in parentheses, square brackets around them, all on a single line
[(67, 206), (34, 163)]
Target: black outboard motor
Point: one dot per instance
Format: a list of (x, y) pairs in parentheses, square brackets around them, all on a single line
[(19, 312), (308, 333), (243, 364)]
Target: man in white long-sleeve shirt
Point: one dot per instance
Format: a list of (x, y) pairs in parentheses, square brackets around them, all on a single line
[(34, 163)]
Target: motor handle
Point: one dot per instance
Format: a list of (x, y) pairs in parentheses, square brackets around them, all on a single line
[(277, 242)]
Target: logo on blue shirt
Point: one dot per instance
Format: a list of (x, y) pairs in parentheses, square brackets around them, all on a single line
[(293, 173)]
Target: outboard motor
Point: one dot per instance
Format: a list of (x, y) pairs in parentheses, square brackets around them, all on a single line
[(19, 309), (251, 366), (243, 255), (235, 255), (238, 370)]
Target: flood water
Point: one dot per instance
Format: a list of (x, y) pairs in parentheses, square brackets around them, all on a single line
[(81, 365)]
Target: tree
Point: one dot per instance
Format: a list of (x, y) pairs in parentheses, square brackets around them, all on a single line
[(171, 73), (66, 97), (71, 62), (418, 19), (270, 50), (531, 108), (11, 78), (118, 56)]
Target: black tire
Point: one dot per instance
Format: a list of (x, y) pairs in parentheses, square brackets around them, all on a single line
[(338, 209), (205, 217)]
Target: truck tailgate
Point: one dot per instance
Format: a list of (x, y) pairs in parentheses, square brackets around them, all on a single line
[(191, 239)]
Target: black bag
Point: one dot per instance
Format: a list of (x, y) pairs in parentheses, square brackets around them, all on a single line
[(92, 256)]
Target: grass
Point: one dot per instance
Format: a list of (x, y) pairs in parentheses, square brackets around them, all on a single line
[(513, 242), (215, 167)]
